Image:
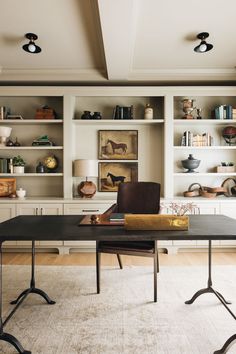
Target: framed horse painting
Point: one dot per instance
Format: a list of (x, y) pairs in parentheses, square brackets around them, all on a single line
[(112, 173), (118, 144)]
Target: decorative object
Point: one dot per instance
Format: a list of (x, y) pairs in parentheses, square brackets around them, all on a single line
[(190, 164), (148, 112), (203, 47), (230, 187), (229, 134), (16, 143), (183, 208), (226, 167), (42, 141), (86, 115), (7, 187), (9, 143), (21, 193), (86, 168), (51, 163), (96, 115), (188, 108), (113, 173), (40, 168), (5, 132), (156, 222), (45, 113), (31, 47), (18, 164), (118, 144), (199, 110), (196, 190)]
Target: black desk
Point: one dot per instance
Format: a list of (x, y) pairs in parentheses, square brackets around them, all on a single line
[(66, 228)]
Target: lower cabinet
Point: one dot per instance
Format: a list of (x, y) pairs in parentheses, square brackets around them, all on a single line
[(83, 209), (7, 211), (40, 209)]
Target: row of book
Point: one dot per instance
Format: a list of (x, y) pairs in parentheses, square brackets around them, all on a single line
[(121, 112), (190, 139), (224, 112), (6, 165)]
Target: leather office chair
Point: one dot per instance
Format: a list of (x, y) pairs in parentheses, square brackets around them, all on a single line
[(135, 198)]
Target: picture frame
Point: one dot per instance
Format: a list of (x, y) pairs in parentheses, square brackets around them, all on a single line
[(110, 174), (118, 144), (7, 186)]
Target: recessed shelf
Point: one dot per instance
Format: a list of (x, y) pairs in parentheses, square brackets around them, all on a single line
[(205, 147), (31, 148), (204, 121), (31, 121), (31, 174), (117, 121), (203, 174)]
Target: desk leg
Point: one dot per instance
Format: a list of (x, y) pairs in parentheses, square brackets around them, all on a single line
[(3, 335), (32, 288), (209, 288), (228, 344)]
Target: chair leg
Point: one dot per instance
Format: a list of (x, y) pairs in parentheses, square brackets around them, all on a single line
[(119, 260), (155, 277), (98, 270)]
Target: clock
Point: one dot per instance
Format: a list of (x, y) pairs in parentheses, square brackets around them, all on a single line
[(51, 162)]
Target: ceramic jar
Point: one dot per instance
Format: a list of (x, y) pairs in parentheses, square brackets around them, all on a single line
[(21, 193), (86, 115), (18, 169), (40, 168), (148, 113), (97, 115)]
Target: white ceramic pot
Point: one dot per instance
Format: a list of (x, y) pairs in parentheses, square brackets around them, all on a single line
[(21, 193), (18, 169)]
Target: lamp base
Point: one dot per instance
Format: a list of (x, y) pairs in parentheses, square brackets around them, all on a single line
[(86, 189)]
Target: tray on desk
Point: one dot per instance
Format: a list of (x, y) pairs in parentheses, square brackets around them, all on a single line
[(100, 221)]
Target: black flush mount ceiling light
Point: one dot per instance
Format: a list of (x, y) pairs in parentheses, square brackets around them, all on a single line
[(31, 47), (203, 47)]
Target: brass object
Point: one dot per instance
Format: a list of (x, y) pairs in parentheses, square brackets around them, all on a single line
[(156, 222)]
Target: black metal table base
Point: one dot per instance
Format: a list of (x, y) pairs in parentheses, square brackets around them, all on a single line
[(32, 289), (228, 344), (209, 289)]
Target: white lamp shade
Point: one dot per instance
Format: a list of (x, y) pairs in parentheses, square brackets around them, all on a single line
[(5, 131), (85, 168)]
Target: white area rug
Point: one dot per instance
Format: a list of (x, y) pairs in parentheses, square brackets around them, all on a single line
[(123, 318)]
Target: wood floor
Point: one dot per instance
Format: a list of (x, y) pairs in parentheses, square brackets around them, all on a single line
[(88, 259)]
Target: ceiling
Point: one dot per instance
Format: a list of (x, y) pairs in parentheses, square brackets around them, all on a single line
[(117, 41)]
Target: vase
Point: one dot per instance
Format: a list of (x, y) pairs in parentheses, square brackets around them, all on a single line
[(18, 169), (86, 115)]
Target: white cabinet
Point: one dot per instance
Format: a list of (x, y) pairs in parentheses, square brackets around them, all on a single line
[(7, 211), (84, 209), (40, 209)]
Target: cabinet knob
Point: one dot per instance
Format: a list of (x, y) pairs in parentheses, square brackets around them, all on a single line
[(37, 211), (41, 209)]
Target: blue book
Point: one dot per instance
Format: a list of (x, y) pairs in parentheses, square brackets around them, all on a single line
[(117, 217)]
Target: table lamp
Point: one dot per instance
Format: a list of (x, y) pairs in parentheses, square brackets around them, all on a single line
[(86, 168)]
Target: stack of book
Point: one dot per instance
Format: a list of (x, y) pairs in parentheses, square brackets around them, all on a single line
[(5, 165), (117, 218), (223, 112), (190, 139)]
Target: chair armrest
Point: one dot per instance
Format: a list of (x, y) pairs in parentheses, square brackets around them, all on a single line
[(111, 210)]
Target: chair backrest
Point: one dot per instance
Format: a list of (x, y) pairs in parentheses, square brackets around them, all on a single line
[(138, 198)]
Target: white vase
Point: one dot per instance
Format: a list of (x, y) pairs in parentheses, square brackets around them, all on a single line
[(18, 169)]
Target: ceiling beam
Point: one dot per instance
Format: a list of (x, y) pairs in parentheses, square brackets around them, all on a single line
[(118, 25)]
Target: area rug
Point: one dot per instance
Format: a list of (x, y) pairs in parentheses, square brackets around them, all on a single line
[(122, 319)]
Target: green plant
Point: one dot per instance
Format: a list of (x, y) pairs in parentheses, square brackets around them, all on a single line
[(18, 161)]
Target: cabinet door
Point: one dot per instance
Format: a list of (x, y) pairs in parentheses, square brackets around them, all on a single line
[(7, 211), (51, 209), (83, 209), (27, 209), (228, 209)]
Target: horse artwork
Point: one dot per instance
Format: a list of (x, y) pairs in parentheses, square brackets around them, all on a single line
[(118, 144), (116, 179), (111, 174)]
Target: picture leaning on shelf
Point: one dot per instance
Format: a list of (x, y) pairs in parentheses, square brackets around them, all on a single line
[(190, 139)]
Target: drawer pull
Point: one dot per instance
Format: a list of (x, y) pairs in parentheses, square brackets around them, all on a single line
[(90, 210)]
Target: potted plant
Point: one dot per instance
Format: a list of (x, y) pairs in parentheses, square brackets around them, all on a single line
[(18, 164)]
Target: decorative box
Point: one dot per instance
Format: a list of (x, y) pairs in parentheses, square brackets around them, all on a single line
[(224, 169)]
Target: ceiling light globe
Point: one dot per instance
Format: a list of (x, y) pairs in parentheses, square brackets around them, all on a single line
[(202, 47), (31, 48)]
